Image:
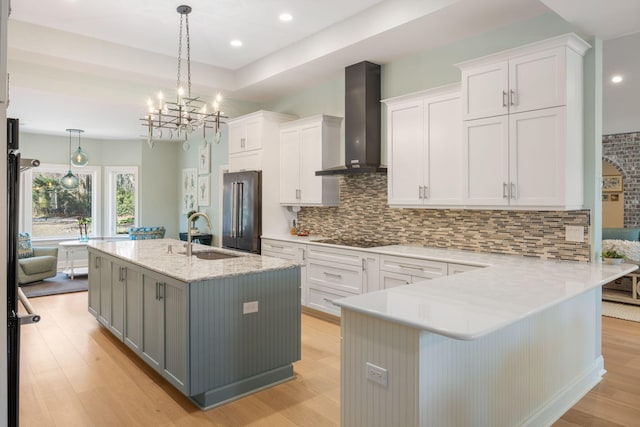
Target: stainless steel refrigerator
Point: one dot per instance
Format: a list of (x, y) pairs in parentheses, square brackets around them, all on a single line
[(242, 211), (15, 165)]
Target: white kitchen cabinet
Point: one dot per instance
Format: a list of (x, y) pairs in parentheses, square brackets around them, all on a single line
[(425, 148), (539, 75), (296, 252), (245, 135), (522, 134), (250, 135), (397, 271), (306, 146), (522, 160), (337, 273), (262, 126), (460, 268)]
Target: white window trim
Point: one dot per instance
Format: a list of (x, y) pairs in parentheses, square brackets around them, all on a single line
[(26, 190), (110, 173)]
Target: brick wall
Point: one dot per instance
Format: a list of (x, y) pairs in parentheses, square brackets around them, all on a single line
[(363, 214), (623, 151)]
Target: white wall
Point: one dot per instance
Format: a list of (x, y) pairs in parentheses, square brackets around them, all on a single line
[(621, 109)]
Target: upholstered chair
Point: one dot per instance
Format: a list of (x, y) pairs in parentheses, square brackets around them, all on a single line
[(35, 263)]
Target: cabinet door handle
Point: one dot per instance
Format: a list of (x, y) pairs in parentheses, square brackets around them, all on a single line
[(304, 255), (124, 274), (242, 140), (513, 193), (512, 97), (504, 98), (119, 274), (156, 290), (504, 191), (161, 290)]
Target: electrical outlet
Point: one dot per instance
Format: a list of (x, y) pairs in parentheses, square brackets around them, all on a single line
[(377, 374), (250, 307), (574, 233)]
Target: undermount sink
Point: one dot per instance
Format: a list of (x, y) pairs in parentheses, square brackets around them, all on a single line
[(211, 255)]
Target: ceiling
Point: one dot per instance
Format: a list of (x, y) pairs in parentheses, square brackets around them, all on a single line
[(91, 65)]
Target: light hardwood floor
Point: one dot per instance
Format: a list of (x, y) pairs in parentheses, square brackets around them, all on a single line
[(74, 373)]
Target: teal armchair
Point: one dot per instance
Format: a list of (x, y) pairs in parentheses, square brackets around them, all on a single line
[(35, 263)]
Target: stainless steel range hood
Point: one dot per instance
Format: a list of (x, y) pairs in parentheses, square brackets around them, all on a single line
[(362, 121)]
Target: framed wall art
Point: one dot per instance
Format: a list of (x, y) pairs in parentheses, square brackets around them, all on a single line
[(204, 191), (204, 159), (189, 194), (612, 183)]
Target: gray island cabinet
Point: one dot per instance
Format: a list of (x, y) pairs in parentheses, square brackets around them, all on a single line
[(215, 329)]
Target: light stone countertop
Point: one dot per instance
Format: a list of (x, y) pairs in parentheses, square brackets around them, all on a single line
[(154, 255), (473, 304)]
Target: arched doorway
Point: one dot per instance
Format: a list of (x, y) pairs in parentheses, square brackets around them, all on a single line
[(612, 196)]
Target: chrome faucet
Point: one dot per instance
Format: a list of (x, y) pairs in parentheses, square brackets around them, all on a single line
[(191, 219)]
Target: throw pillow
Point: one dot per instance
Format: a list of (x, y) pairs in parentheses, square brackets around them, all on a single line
[(25, 250)]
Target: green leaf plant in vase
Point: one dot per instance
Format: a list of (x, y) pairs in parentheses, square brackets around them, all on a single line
[(83, 225), (612, 256), (194, 229)]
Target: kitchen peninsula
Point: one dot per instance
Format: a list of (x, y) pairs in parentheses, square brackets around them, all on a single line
[(217, 325), (515, 343)]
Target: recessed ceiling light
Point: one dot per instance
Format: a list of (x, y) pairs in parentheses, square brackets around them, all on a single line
[(616, 79), (236, 43), (286, 17)]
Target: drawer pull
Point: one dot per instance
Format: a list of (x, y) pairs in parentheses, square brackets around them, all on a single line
[(277, 247), (337, 276), (410, 267)]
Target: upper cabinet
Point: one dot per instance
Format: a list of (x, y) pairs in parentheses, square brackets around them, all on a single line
[(522, 135), (245, 135), (540, 75), (424, 134), (249, 134), (306, 146)]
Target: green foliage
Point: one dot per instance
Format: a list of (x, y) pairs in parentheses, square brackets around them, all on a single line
[(50, 199), (612, 253)]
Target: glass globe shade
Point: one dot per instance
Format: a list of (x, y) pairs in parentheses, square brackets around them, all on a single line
[(69, 181), (79, 158)]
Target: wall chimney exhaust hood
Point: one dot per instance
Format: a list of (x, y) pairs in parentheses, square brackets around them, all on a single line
[(361, 121)]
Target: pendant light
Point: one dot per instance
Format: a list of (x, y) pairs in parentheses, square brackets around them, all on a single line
[(69, 181), (79, 158)]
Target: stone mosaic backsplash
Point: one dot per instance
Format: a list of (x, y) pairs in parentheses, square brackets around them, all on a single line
[(363, 214), (623, 151)]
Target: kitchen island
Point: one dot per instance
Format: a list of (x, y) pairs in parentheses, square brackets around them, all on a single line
[(217, 325), (514, 343)]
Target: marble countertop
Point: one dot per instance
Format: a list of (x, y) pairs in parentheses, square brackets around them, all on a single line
[(475, 303), (154, 255)]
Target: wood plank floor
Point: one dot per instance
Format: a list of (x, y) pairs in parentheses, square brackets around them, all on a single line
[(74, 373)]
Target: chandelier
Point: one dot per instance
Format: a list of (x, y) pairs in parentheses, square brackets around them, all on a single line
[(175, 121)]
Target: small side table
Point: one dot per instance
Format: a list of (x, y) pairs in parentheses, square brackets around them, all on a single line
[(203, 239), (70, 247)]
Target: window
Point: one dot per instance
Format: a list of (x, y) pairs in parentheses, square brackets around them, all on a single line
[(122, 199), (55, 210)]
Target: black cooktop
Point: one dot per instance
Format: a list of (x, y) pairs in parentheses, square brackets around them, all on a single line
[(352, 243)]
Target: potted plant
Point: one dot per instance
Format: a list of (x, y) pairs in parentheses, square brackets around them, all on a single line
[(612, 256), (83, 224), (194, 229)]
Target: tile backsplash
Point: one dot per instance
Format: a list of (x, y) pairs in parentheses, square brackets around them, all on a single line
[(363, 214)]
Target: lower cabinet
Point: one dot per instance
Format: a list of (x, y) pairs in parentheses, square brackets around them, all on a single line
[(164, 328), (147, 312), (290, 251), (334, 273), (397, 271)]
